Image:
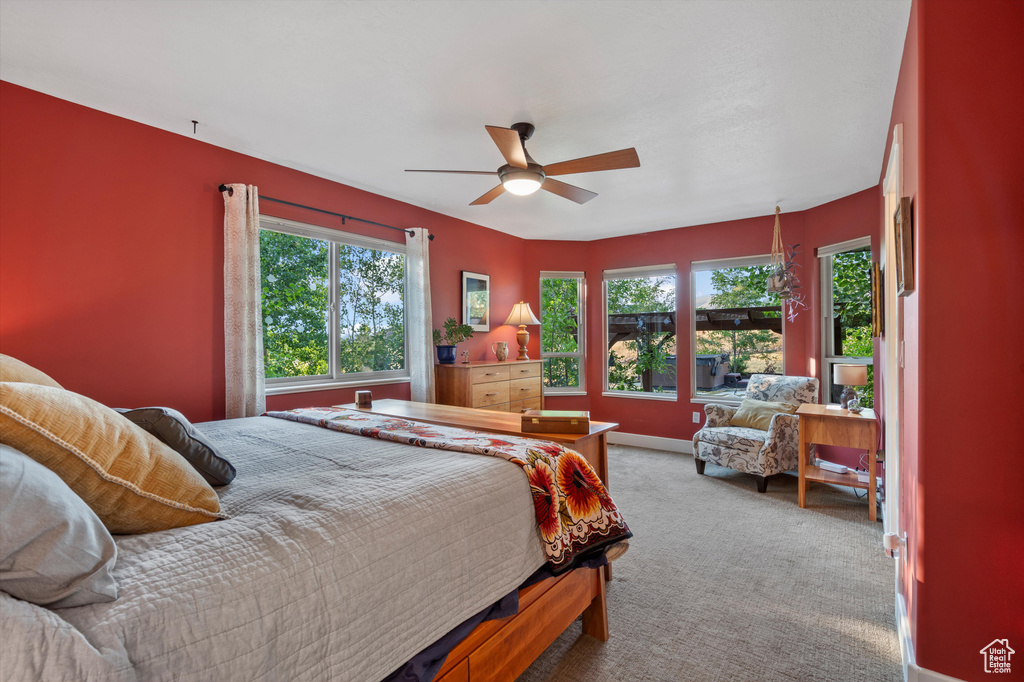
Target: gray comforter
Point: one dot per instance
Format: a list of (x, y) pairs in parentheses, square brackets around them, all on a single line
[(343, 557)]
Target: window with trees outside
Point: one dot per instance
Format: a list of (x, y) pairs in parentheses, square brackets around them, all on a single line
[(333, 306), (640, 331), (846, 322), (562, 333), (738, 326)]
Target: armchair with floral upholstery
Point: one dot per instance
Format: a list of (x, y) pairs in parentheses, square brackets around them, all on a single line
[(761, 453)]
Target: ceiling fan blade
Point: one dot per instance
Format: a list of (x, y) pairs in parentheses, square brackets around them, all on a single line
[(489, 197), (624, 158), (509, 144), (570, 192), (408, 170)]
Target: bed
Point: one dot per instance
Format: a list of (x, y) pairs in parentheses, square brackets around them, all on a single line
[(343, 557)]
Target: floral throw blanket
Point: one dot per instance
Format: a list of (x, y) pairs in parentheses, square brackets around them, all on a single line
[(574, 511)]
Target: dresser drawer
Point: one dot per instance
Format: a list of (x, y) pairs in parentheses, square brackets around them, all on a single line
[(521, 389), (528, 404), (524, 370), (481, 375), (490, 394), (500, 407)]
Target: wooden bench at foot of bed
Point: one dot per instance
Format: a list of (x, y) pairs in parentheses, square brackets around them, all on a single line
[(502, 649)]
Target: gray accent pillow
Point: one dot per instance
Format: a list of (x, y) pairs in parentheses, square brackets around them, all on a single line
[(172, 428), (54, 550)]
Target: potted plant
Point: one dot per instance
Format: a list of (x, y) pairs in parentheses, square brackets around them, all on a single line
[(454, 333)]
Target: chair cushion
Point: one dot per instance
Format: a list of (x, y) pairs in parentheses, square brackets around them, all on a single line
[(12, 369), (757, 414), (736, 437), (133, 482)]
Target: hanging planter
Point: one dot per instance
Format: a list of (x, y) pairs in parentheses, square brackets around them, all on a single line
[(783, 280), (780, 283)]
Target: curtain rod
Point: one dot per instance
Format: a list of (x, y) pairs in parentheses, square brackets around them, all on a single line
[(231, 191)]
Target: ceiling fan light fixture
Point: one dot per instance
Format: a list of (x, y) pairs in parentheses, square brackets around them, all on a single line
[(522, 186), (522, 182)]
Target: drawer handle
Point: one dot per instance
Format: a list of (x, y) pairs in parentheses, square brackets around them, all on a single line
[(524, 389), (491, 374), (487, 394)]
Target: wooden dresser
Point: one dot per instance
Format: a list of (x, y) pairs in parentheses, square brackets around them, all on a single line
[(510, 386)]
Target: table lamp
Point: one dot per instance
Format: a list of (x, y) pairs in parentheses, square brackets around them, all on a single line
[(522, 315), (849, 376)]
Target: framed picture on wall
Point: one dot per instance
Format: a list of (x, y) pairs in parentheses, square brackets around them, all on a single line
[(877, 293), (476, 301), (903, 231)]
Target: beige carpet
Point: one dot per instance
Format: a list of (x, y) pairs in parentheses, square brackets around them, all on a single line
[(723, 583)]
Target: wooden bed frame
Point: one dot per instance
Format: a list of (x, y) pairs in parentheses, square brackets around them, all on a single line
[(502, 649)]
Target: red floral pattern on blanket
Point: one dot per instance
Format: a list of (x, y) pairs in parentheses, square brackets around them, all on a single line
[(574, 512)]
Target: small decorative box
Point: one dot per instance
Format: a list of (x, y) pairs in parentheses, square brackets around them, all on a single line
[(555, 421)]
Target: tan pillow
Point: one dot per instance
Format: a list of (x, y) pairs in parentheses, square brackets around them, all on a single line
[(757, 414), (133, 482), (13, 369)]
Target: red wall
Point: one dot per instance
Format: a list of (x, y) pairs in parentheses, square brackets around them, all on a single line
[(111, 252), (969, 511), (906, 111)]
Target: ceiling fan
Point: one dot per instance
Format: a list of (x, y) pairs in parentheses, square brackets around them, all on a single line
[(522, 175)]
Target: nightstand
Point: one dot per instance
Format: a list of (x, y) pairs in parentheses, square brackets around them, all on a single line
[(832, 425)]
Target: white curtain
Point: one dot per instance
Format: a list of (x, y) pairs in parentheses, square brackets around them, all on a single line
[(417, 306), (243, 316)]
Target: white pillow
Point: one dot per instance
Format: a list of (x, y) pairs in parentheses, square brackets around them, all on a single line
[(54, 550)]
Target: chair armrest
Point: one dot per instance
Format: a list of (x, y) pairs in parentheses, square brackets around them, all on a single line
[(782, 425), (781, 450), (718, 415)]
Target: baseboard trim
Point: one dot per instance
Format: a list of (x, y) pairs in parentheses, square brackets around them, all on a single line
[(911, 671), (653, 442)]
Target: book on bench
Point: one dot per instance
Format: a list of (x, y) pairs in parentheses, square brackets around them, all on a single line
[(556, 421)]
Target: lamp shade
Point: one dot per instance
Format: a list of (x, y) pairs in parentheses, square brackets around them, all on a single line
[(521, 314), (850, 375)]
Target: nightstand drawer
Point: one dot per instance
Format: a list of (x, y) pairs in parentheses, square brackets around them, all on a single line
[(522, 371), (490, 394), (521, 389), (480, 375)]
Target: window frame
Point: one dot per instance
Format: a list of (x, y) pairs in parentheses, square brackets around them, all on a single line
[(581, 334), (721, 264), (828, 357), (335, 379), (665, 270)]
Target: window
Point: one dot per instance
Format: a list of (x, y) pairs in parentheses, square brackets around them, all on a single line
[(640, 330), (846, 318), (333, 306), (737, 326), (562, 322)]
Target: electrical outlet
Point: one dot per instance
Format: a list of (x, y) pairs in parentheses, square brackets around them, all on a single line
[(696, 417)]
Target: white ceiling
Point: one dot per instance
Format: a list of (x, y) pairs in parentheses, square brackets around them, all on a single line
[(733, 106)]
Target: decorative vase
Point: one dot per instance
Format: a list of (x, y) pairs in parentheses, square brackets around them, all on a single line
[(500, 350), (446, 355)]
